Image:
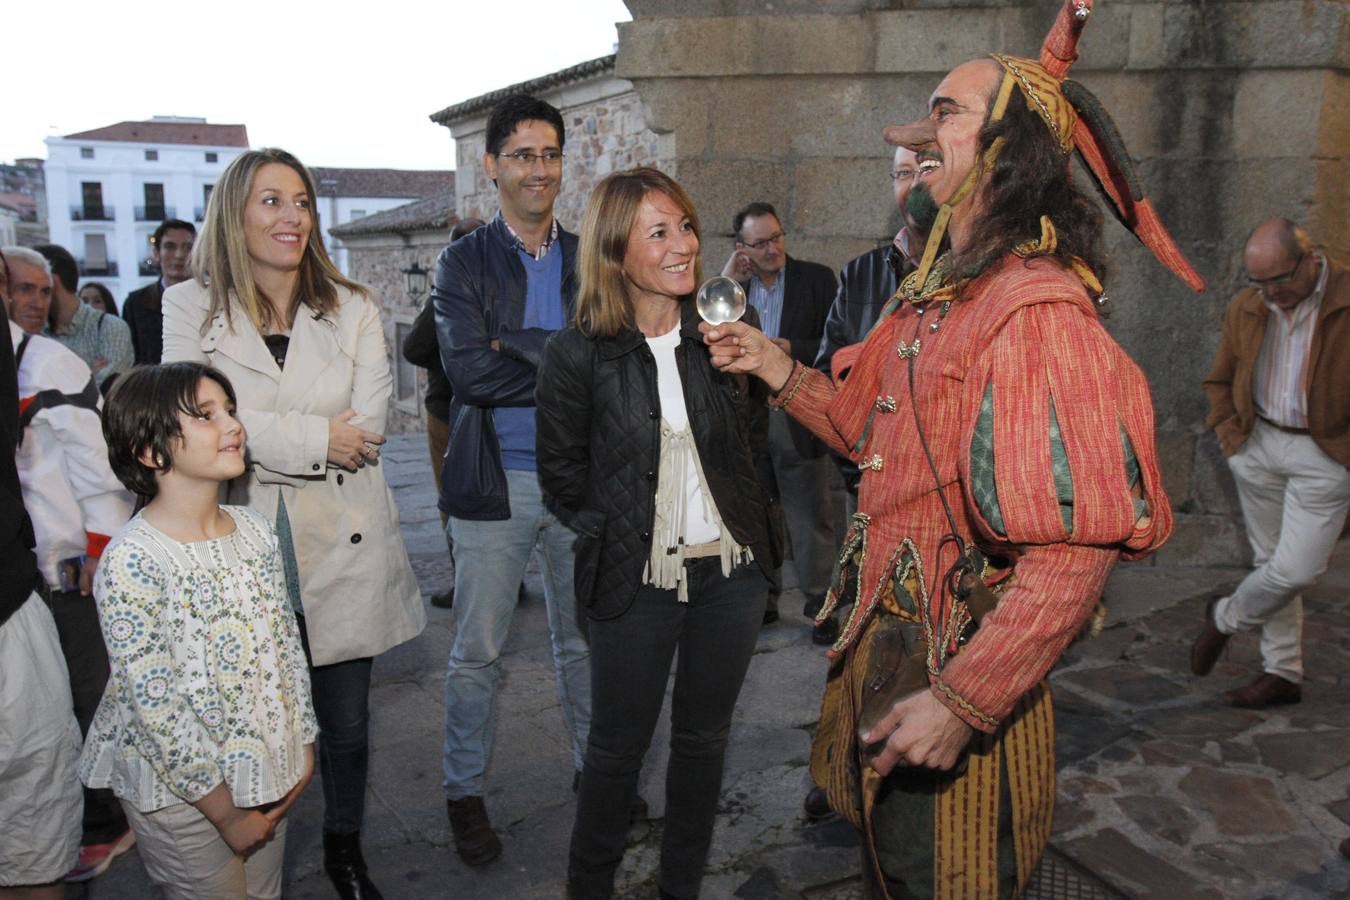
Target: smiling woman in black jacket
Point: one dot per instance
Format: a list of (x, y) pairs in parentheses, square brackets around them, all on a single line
[(660, 464)]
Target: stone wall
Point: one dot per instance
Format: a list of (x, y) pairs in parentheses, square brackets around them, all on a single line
[(1228, 108), (378, 261), (606, 132)]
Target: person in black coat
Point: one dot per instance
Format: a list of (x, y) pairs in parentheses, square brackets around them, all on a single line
[(660, 464), (171, 250), (422, 349)]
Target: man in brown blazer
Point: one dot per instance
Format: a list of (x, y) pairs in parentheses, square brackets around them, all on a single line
[(1279, 398)]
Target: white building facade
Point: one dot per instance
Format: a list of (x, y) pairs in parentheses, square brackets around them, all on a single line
[(108, 189), (9, 225)]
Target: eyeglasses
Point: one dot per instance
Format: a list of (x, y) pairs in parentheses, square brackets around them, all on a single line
[(525, 159), (1277, 280), (903, 174), (775, 238)]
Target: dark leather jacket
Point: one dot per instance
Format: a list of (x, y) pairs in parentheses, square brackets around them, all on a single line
[(599, 446), (866, 284), (478, 294)]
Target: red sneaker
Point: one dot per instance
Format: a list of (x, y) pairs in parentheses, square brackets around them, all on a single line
[(95, 858)]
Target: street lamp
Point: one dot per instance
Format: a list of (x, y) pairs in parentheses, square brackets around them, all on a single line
[(415, 281)]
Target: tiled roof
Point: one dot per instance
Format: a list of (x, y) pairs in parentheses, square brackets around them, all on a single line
[(413, 184), (432, 214), (15, 200), (199, 133), (484, 102)]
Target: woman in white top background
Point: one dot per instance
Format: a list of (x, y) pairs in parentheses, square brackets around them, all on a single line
[(660, 464), (305, 350)]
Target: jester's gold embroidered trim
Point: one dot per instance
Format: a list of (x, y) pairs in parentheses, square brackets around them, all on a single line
[(961, 702), (932, 288), (1045, 97), (792, 391), (1047, 244)]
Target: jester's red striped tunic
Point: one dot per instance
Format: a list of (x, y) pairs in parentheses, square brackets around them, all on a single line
[(1022, 342)]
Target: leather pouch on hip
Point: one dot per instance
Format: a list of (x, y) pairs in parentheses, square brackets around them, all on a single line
[(897, 659), (897, 667)]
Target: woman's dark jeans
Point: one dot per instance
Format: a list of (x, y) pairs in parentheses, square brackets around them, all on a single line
[(341, 694), (630, 663)]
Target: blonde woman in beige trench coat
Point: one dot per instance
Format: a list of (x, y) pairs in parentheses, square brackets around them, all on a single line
[(305, 350)]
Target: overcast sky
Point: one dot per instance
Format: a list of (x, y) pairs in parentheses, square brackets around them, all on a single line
[(337, 83)]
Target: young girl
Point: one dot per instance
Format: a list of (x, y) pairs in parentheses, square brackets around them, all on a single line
[(205, 732)]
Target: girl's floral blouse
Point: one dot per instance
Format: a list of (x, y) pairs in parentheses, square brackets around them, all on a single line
[(209, 683)]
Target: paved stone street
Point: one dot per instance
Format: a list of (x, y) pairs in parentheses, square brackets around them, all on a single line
[(1164, 791)]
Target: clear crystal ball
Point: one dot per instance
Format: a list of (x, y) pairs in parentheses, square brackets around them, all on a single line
[(720, 299)]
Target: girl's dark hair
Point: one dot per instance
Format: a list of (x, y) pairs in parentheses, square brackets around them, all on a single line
[(141, 414), (1031, 178)]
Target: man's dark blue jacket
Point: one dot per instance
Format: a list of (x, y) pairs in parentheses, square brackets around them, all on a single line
[(478, 294)]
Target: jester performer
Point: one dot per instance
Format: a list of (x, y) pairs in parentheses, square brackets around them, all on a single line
[(1007, 454)]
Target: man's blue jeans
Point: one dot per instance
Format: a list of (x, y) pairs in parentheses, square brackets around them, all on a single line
[(490, 559)]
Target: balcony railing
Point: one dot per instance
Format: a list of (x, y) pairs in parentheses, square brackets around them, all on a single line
[(155, 213), (199, 213), (83, 213), (146, 267), (107, 268)]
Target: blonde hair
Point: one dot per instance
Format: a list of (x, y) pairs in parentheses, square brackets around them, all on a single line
[(603, 307), (220, 259)]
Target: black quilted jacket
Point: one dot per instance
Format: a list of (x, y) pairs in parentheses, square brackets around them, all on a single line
[(598, 449)]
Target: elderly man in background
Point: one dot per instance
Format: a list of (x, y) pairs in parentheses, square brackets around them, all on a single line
[(793, 297), (1279, 400), (76, 504)]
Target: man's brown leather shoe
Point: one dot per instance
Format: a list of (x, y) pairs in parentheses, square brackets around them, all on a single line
[(475, 841), (1210, 643), (1266, 690)]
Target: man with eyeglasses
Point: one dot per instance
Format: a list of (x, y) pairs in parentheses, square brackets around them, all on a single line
[(1279, 399), (498, 294), (867, 281), (793, 298)]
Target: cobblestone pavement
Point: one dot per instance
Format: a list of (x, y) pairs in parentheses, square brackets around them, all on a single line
[(1164, 791)]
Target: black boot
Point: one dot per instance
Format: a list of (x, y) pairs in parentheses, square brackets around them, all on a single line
[(346, 867), (475, 841)]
